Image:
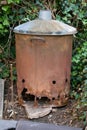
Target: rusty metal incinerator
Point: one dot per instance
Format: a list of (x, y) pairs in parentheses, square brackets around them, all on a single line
[(43, 58)]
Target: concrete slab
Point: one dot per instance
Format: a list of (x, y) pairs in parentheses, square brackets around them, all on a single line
[(1, 97), (36, 111), (7, 124), (28, 125)]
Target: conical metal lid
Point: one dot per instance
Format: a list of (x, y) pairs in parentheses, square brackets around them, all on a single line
[(45, 26)]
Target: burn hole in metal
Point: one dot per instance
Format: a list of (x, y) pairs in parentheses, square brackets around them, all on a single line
[(44, 99), (54, 82), (27, 97), (58, 96), (30, 97)]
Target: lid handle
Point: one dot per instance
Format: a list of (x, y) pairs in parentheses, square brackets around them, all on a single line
[(45, 15)]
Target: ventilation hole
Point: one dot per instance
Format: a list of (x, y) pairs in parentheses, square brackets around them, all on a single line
[(53, 82), (66, 96), (53, 98), (23, 80), (66, 80), (58, 96)]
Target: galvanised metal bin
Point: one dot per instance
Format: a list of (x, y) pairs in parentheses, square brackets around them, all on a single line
[(43, 58)]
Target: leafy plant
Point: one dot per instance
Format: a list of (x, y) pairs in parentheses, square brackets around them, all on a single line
[(73, 12), (79, 74), (12, 14)]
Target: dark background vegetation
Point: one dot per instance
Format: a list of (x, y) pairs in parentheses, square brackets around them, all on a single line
[(72, 12)]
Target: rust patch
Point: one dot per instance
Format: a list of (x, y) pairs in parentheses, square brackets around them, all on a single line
[(43, 66)]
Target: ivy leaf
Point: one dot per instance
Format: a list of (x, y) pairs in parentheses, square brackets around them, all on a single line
[(5, 8), (6, 22), (17, 1), (10, 1), (1, 26)]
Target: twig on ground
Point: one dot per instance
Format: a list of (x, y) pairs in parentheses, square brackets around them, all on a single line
[(12, 90)]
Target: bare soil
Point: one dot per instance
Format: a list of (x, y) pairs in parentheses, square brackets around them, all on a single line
[(69, 115)]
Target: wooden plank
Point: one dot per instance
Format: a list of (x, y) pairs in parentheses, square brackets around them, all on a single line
[(1, 97)]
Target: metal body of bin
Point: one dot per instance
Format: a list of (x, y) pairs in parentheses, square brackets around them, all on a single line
[(43, 61)]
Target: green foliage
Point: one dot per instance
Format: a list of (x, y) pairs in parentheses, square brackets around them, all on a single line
[(5, 69), (13, 1), (5, 12), (79, 73), (14, 13), (11, 15), (74, 13)]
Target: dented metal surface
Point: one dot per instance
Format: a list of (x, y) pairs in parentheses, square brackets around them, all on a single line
[(43, 66)]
